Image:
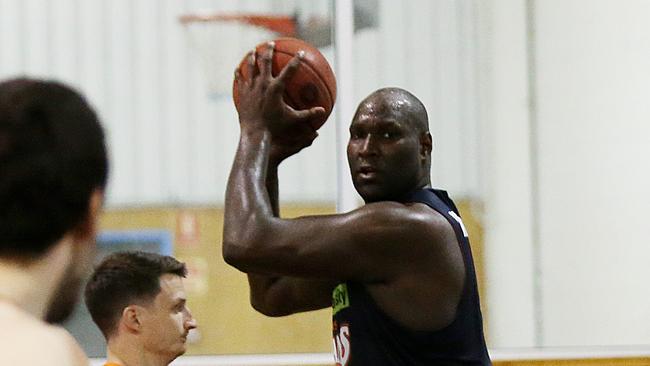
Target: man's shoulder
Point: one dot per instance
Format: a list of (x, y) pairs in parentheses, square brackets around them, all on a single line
[(407, 210), (30, 341), (414, 212), (416, 221)]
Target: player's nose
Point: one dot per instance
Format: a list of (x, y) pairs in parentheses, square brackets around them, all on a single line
[(368, 146)]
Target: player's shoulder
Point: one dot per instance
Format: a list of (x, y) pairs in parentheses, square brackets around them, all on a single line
[(65, 346), (33, 342), (411, 216), (437, 224)]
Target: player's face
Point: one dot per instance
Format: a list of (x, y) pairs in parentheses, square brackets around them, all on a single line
[(66, 295), (168, 319), (383, 151), (79, 267)]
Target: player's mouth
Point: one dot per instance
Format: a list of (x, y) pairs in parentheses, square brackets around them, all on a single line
[(367, 172)]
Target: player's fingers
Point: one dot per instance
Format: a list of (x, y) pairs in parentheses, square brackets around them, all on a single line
[(267, 57), (309, 114), (287, 73), (239, 78), (310, 135), (252, 64), (302, 135)]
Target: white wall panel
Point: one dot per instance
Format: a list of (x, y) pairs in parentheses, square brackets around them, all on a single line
[(64, 63), (566, 172), (120, 108), (149, 149), (507, 191), (36, 36), (169, 142), (594, 144), (90, 35), (11, 37), (448, 124), (174, 102)]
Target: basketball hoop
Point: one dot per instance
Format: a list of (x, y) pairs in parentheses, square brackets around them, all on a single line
[(222, 40)]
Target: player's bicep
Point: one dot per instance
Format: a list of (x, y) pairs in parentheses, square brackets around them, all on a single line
[(372, 244)]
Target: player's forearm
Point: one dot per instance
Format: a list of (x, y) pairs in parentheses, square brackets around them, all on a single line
[(247, 204), (283, 295), (272, 188), (262, 295)]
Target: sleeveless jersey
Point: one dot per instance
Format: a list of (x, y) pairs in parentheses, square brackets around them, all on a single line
[(365, 336)]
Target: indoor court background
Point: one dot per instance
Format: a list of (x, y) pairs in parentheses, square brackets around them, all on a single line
[(539, 111)]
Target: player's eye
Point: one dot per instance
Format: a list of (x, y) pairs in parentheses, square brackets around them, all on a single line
[(179, 307), (390, 135)]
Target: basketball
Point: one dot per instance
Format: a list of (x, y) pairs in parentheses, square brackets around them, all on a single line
[(313, 84)]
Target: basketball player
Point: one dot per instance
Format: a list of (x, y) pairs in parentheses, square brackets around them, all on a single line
[(138, 301), (53, 170), (398, 271)]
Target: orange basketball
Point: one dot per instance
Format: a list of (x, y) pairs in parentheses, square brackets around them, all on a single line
[(313, 84)]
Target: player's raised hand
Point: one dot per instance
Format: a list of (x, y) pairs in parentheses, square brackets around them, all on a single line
[(261, 103)]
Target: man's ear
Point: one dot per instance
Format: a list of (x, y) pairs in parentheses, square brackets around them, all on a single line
[(426, 144), (87, 228), (131, 319)]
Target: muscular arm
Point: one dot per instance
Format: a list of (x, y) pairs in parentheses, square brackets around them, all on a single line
[(370, 244), (282, 295), (379, 244)]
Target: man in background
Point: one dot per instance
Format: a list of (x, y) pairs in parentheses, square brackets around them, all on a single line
[(53, 171), (138, 301)]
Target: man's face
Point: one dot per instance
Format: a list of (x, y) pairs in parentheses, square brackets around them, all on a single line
[(66, 295), (167, 319), (83, 239), (383, 151)]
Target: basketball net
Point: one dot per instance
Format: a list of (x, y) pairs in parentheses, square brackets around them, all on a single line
[(220, 41)]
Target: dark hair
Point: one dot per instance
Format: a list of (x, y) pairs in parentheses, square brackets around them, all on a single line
[(52, 157), (125, 278)]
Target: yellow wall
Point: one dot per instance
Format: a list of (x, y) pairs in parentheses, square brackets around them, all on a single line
[(218, 293), (585, 362)]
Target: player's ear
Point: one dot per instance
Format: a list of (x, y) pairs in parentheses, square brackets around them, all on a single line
[(426, 144), (132, 318)]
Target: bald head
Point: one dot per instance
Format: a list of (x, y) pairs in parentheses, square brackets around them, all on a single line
[(392, 101), (389, 150)]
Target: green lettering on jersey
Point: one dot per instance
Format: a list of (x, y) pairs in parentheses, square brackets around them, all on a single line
[(340, 299)]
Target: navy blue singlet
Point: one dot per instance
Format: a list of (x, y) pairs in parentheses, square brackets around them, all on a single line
[(365, 336)]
